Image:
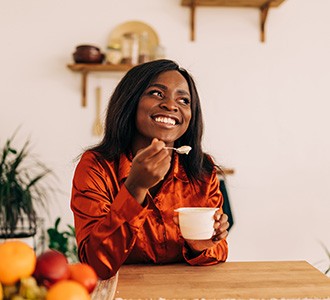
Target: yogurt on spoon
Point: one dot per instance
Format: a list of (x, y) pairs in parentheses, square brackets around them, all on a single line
[(180, 150)]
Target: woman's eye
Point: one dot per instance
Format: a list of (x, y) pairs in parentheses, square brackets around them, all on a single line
[(156, 93), (185, 101)]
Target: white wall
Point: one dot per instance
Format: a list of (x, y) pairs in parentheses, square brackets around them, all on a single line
[(266, 105)]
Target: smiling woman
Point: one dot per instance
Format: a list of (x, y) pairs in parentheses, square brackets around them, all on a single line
[(125, 189)]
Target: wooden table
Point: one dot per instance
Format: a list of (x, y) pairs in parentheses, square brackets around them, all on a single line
[(230, 280)]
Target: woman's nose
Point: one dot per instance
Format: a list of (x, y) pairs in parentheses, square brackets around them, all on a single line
[(169, 105)]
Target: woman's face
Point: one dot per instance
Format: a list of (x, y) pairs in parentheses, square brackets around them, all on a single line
[(164, 110)]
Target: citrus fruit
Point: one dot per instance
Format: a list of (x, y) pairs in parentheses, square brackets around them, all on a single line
[(1, 293), (17, 260), (84, 274), (68, 290)]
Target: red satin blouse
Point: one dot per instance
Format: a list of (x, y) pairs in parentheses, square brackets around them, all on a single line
[(112, 228)]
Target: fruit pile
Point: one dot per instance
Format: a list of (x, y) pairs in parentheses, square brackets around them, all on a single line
[(49, 276)]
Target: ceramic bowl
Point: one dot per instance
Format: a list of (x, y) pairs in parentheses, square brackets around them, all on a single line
[(88, 54)]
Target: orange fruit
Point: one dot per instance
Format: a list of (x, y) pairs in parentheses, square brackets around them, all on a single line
[(84, 274), (1, 292), (17, 260), (68, 290)]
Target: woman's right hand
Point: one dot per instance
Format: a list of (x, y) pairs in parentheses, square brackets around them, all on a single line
[(149, 167)]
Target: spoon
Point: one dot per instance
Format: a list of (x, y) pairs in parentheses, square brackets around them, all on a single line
[(180, 150)]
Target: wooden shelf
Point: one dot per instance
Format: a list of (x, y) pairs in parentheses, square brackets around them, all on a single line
[(84, 69), (226, 171), (262, 5)]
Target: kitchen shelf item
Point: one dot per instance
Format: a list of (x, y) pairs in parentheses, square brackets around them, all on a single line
[(134, 27), (98, 126), (262, 5), (88, 54), (130, 48)]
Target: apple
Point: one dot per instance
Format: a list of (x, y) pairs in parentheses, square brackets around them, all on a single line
[(52, 266)]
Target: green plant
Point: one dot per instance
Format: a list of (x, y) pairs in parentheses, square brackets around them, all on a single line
[(20, 190), (63, 241)]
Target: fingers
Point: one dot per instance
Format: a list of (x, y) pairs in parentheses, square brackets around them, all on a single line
[(221, 226), (149, 166), (156, 147), (154, 158)]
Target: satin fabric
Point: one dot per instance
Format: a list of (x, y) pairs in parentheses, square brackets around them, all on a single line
[(112, 228)]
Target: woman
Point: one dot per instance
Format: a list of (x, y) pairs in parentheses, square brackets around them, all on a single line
[(126, 188)]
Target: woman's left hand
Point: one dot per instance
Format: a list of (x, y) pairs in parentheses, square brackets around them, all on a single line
[(220, 226)]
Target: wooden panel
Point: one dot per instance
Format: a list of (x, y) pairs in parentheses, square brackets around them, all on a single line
[(232, 3)]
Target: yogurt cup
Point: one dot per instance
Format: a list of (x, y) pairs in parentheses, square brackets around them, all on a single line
[(196, 223)]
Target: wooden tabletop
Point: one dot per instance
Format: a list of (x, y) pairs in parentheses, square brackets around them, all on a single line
[(230, 280)]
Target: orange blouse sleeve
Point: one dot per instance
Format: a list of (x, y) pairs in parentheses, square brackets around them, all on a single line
[(107, 217)]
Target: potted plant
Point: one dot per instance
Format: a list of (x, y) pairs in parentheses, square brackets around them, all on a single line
[(21, 192), (63, 241)]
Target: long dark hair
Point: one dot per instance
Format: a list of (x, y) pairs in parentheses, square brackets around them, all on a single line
[(120, 125)]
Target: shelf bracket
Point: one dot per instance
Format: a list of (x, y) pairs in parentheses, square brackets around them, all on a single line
[(192, 19), (263, 17)]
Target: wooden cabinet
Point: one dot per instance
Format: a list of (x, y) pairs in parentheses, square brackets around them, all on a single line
[(262, 5)]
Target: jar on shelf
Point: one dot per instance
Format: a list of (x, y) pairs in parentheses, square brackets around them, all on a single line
[(130, 48), (114, 54), (159, 52), (144, 51)]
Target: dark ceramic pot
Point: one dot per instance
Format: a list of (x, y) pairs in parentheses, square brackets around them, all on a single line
[(88, 54)]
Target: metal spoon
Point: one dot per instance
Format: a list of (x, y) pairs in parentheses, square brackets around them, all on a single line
[(180, 150)]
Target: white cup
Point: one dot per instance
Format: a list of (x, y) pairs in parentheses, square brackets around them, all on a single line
[(196, 223)]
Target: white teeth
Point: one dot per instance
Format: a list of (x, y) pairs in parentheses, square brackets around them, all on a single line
[(165, 120)]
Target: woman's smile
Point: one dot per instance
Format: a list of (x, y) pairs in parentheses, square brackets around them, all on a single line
[(166, 119)]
